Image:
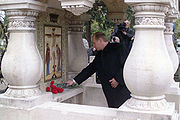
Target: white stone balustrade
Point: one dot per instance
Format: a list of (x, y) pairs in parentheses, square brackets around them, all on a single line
[(170, 19), (173, 93), (148, 69), (22, 64)]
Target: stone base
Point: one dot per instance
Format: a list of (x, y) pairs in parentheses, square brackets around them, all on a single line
[(173, 95), (22, 91), (126, 113), (142, 103), (25, 103)]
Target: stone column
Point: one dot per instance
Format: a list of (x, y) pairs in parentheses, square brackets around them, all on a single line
[(22, 64), (148, 69), (170, 47), (77, 54), (173, 93)]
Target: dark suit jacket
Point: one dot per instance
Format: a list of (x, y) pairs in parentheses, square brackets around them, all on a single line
[(108, 64)]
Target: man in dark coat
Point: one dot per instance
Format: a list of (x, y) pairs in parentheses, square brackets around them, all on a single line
[(108, 64)]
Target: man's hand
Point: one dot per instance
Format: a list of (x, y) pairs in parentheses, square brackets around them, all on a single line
[(114, 83), (70, 82)]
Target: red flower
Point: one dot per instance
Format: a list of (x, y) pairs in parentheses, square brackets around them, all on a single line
[(60, 90), (47, 89), (53, 86), (52, 82), (54, 91)]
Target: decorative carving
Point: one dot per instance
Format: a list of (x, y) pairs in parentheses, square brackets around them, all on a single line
[(153, 105), (31, 13), (77, 7), (171, 17), (149, 21), (149, 7), (21, 24), (76, 29), (169, 28), (22, 92), (76, 26), (153, 14), (21, 19)]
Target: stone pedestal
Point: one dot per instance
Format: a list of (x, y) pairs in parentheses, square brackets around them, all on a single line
[(25, 103), (125, 113)]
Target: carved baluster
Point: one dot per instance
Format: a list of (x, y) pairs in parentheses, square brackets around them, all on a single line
[(148, 69), (22, 63)]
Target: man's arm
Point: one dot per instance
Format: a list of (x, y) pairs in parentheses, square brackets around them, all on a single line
[(84, 74)]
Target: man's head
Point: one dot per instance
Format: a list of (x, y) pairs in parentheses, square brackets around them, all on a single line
[(127, 23), (99, 40)]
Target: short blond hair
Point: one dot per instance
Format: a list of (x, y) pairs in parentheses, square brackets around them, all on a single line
[(98, 35)]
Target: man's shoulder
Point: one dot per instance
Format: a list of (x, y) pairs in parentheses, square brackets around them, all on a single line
[(115, 45)]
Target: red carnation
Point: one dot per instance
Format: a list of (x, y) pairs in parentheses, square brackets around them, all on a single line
[(54, 91), (60, 90), (53, 86), (52, 82), (47, 89)]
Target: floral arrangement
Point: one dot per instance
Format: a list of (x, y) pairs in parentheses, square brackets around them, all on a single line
[(54, 89)]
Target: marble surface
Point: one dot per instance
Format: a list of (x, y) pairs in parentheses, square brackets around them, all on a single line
[(68, 93), (64, 111), (25, 103), (126, 113)]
